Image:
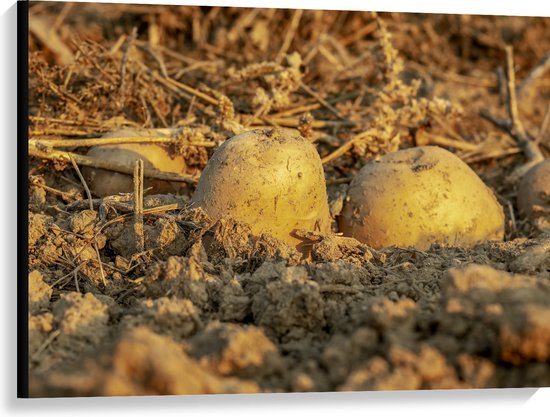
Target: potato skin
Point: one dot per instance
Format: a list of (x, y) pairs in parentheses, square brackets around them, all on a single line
[(533, 188), (271, 179), (154, 155), (417, 197)]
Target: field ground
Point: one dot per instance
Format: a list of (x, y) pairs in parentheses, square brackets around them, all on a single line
[(245, 313)]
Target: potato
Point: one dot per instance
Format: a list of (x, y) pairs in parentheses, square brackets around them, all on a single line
[(534, 192), (271, 179), (417, 197), (154, 155)]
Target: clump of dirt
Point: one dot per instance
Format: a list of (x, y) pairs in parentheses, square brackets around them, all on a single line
[(39, 292), (175, 317), (130, 297), (404, 370), (141, 363), (500, 315), (231, 349), (81, 321)]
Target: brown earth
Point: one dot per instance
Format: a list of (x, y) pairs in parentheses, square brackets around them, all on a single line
[(207, 307)]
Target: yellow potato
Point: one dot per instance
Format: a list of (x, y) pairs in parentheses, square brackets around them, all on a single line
[(271, 179), (154, 155), (417, 197), (534, 191)]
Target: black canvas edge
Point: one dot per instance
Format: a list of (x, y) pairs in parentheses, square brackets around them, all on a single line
[(22, 198)]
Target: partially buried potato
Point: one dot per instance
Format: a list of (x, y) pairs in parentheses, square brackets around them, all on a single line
[(534, 193), (417, 197), (271, 179), (154, 155)]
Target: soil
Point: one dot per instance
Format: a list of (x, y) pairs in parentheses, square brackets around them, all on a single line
[(203, 306)]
